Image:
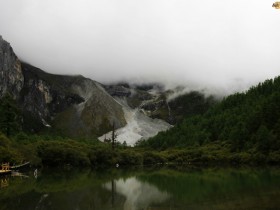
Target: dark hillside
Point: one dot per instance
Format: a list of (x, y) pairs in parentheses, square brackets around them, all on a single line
[(248, 121)]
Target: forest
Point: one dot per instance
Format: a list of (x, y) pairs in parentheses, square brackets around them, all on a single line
[(246, 123), (243, 128)]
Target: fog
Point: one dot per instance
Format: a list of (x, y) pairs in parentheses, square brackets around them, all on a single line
[(219, 44)]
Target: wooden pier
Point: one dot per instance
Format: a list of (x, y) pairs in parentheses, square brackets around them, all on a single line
[(5, 168)]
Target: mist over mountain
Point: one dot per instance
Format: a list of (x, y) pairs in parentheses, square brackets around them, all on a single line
[(218, 46), (78, 107)]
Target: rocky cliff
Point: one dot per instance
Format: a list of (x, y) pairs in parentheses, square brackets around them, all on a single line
[(67, 105), (76, 106), (11, 76)]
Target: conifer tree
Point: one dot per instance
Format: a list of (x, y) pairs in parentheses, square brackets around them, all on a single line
[(9, 115)]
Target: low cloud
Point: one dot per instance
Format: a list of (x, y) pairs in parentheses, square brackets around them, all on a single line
[(219, 45)]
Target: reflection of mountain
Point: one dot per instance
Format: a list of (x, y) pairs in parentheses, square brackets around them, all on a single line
[(139, 195)]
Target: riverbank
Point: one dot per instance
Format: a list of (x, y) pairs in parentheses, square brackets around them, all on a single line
[(45, 151)]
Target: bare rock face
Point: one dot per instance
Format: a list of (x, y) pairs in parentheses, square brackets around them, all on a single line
[(69, 105), (11, 77), (42, 97), (95, 115), (118, 90)]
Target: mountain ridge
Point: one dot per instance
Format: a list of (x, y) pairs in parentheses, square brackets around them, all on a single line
[(79, 107), (47, 98)]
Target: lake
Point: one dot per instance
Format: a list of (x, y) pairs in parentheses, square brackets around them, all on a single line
[(143, 189)]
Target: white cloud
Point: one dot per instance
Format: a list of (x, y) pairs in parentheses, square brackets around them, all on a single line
[(206, 43)]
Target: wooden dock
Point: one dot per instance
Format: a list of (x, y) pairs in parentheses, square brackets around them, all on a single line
[(5, 169), (2, 172)]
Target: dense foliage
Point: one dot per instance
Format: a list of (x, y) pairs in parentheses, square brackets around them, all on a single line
[(244, 122), (190, 104), (60, 152), (10, 117)]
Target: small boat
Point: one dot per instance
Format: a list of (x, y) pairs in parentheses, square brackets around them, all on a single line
[(19, 166)]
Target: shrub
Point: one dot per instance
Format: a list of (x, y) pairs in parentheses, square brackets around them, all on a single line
[(129, 158), (102, 156), (152, 158), (61, 153)]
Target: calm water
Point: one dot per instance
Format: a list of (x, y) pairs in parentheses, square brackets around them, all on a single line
[(139, 189)]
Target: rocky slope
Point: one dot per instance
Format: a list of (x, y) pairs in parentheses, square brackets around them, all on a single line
[(75, 106), (151, 108), (67, 105), (139, 126), (156, 102)]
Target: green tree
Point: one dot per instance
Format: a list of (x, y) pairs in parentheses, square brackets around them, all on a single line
[(264, 138), (9, 116), (124, 144), (238, 137)]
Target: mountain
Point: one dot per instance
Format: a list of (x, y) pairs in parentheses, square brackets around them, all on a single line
[(141, 124), (150, 108), (68, 105), (73, 105), (79, 107)]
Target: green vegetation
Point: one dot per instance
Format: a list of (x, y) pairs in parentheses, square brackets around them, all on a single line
[(245, 127), (190, 104), (64, 152), (9, 116)]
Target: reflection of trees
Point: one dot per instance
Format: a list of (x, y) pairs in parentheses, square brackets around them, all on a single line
[(60, 190), (150, 190), (4, 182), (113, 192), (213, 186), (66, 189)]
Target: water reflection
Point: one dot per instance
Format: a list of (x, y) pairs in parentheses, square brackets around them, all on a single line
[(19, 174), (139, 195), (41, 204), (4, 182), (222, 189)]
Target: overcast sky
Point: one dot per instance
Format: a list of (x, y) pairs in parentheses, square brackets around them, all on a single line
[(226, 44)]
